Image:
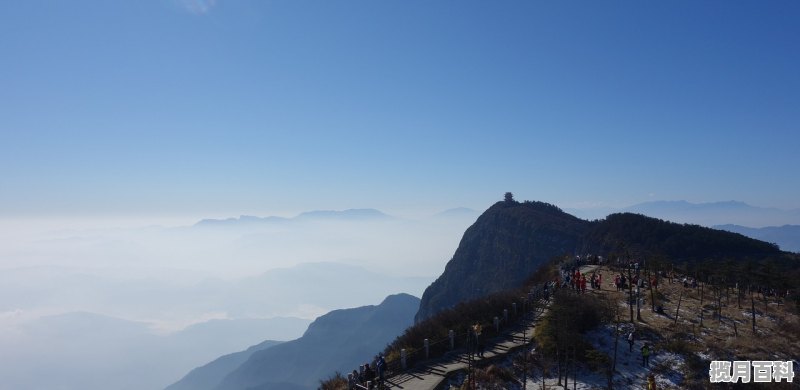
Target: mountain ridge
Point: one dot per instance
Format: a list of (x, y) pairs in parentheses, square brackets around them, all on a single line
[(207, 376), (511, 239), (337, 341), (314, 215)]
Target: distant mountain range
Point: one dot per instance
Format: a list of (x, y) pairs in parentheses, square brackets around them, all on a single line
[(787, 236), (338, 341), (92, 351), (705, 214), (317, 215), (458, 212)]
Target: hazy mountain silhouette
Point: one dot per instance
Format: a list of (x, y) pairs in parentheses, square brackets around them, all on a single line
[(706, 214), (309, 216), (91, 351), (787, 236), (337, 341), (458, 212), (242, 220), (210, 375)]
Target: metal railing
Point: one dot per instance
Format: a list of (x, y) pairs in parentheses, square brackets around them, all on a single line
[(505, 323)]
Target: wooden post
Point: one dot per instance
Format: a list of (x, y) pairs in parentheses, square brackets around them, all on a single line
[(497, 324), (427, 348), (403, 357)]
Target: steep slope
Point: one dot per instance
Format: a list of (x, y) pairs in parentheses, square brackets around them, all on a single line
[(210, 375), (337, 341), (507, 243)]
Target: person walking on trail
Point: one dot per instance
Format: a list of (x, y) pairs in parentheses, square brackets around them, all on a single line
[(380, 364), (476, 333), (645, 355), (631, 337)]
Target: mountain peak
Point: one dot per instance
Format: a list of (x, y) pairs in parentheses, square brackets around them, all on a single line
[(506, 243)]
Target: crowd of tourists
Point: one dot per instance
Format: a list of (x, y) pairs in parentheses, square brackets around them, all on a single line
[(577, 281)]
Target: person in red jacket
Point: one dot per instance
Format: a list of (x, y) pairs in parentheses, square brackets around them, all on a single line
[(583, 283)]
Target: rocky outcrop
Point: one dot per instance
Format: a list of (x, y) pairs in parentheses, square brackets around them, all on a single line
[(500, 250)]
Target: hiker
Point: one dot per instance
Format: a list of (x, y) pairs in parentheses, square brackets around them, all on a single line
[(476, 332), (352, 380), (616, 282), (600, 281), (645, 355), (381, 366), (651, 382), (583, 284), (369, 375), (630, 341)]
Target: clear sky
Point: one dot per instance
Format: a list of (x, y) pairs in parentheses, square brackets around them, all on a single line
[(171, 107)]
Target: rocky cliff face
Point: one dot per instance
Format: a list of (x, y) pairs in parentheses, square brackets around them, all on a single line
[(500, 250)]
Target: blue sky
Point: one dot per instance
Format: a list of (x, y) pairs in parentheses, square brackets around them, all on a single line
[(190, 107)]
